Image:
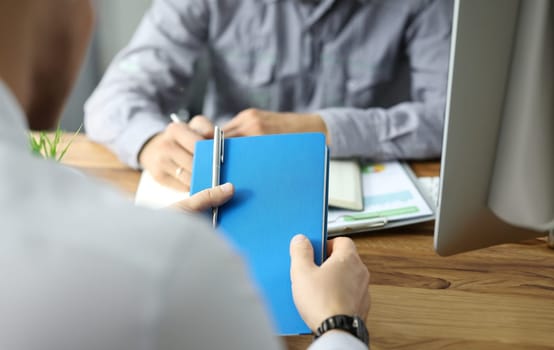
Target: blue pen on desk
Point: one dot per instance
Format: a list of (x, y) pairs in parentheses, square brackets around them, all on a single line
[(217, 159)]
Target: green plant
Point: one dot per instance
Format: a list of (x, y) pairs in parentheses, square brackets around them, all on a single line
[(48, 147)]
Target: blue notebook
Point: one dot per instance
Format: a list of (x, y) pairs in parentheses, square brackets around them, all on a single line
[(280, 191)]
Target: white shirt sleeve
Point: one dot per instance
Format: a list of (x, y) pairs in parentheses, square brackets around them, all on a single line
[(337, 341), (213, 305)]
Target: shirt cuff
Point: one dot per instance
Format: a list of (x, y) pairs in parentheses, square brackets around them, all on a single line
[(337, 340), (140, 129), (353, 133)]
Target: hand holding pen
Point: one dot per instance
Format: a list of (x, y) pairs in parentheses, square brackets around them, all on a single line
[(199, 124), (168, 154)]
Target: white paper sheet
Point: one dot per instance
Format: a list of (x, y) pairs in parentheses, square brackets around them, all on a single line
[(151, 194)]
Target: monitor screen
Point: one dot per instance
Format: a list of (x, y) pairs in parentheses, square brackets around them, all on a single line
[(491, 192)]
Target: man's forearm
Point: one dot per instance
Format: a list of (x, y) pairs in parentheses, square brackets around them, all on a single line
[(407, 130)]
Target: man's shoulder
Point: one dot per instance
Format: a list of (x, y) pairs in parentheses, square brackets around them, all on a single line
[(65, 207)]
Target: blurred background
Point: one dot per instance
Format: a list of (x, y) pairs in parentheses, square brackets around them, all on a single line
[(116, 22)]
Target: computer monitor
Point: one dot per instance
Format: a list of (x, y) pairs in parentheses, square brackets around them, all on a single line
[(483, 43)]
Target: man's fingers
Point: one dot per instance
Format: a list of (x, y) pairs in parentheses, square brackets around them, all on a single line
[(231, 131), (178, 172), (330, 247), (340, 246), (171, 181), (181, 157), (301, 255), (165, 173), (209, 198), (182, 176), (184, 135), (235, 132), (203, 126), (234, 124)]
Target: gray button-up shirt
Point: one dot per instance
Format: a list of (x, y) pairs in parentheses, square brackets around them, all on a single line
[(375, 70)]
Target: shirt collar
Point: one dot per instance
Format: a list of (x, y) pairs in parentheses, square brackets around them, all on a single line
[(13, 124)]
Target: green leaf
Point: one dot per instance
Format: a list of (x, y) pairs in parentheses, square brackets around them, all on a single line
[(64, 151), (35, 145), (47, 147)]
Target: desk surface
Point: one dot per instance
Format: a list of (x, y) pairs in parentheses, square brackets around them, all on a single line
[(495, 298)]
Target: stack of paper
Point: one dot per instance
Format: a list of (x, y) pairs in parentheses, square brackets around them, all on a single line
[(345, 185), (391, 198)]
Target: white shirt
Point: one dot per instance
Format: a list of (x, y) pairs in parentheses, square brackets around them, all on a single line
[(82, 268)]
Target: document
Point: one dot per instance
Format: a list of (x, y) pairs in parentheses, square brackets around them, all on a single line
[(391, 198), (152, 194)]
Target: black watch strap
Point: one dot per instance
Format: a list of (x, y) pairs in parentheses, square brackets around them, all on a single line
[(351, 324)]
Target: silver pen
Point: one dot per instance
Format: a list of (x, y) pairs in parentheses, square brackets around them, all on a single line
[(217, 159), (182, 117)]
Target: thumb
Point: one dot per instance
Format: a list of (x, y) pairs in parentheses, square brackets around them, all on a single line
[(208, 198), (301, 255)]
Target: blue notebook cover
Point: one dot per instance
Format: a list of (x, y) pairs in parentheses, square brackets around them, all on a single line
[(280, 191)]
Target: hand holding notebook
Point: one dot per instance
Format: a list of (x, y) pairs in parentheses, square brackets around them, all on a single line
[(342, 278)]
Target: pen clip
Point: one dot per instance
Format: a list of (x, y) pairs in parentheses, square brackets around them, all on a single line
[(217, 160), (221, 146)]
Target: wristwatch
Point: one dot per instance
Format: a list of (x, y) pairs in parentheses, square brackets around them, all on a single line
[(351, 324)]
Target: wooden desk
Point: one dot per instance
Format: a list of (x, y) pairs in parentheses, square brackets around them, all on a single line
[(495, 298)]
